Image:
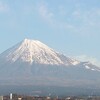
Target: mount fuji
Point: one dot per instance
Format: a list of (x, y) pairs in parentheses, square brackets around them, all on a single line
[(31, 62), (33, 51)]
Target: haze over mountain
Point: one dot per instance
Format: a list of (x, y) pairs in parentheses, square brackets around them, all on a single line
[(31, 62)]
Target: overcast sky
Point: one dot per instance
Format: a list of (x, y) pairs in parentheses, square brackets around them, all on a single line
[(71, 27)]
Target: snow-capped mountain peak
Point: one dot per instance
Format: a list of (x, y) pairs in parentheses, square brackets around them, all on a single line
[(34, 51)]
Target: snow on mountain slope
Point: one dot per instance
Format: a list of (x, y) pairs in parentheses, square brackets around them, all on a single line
[(33, 51), (90, 66)]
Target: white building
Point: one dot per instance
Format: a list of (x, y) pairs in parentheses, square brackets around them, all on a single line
[(10, 96), (1, 97)]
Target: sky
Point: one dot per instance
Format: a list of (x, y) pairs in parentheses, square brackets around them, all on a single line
[(71, 27)]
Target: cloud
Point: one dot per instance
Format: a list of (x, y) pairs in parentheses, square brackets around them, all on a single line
[(78, 20), (4, 7), (45, 13), (88, 21), (62, 10), (52, 18), (76, 14), (93, 60)]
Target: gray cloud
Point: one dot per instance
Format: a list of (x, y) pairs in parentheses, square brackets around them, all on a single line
[(93, 60)]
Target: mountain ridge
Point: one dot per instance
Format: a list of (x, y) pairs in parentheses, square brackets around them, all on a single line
[(31, 62)]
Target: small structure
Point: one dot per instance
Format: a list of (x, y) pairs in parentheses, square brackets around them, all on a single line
[(48, 98), (10, 96), (68, 98), (1, 97), (19, 98)]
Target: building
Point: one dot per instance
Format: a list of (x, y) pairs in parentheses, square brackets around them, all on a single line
[(1, 97)]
